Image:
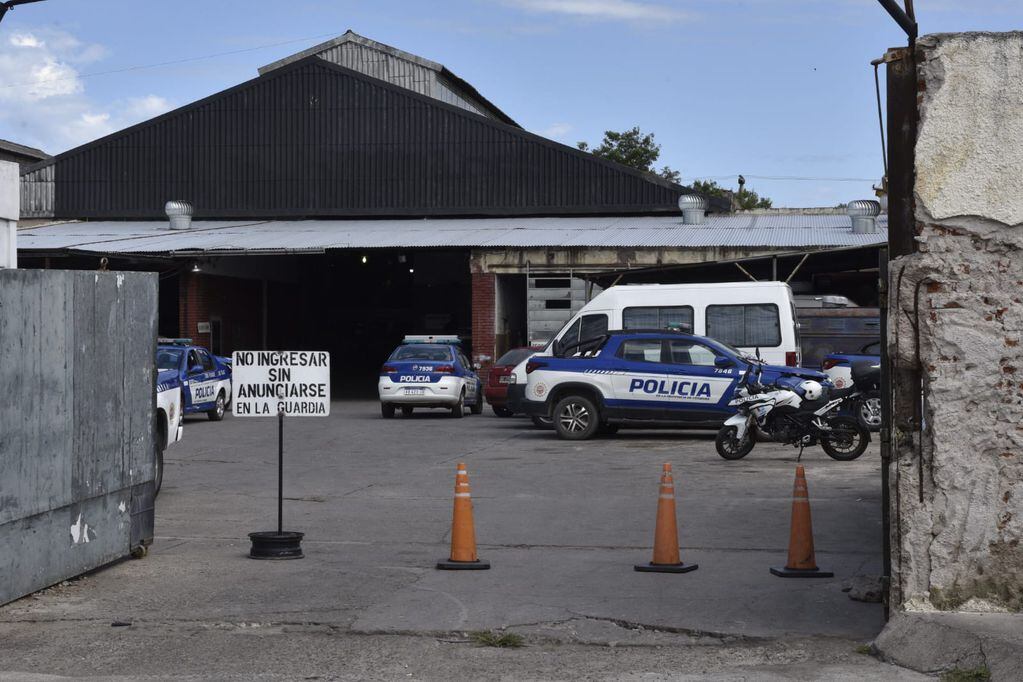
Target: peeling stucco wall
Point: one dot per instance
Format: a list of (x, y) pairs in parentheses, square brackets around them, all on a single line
[(958, 304)]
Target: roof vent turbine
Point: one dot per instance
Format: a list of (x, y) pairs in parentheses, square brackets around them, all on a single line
[(864, 214), (694, 208), (179, 213)]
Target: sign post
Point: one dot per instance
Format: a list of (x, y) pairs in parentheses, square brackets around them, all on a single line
[(278, 383)]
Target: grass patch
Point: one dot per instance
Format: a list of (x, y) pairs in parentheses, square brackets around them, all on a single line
[(981, 674), (864, 649), (506, 640)]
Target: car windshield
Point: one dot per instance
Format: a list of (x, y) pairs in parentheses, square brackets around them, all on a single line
[(514, 357), (422, 352), (168, 358)]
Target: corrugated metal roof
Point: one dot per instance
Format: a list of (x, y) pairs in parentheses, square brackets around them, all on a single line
[(777, 231)]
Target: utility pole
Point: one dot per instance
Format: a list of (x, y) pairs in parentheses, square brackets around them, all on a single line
[(7, 6)]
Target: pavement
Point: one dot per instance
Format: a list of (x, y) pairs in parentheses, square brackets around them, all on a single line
[(562, 524)]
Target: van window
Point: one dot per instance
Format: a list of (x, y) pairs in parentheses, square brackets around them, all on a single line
[(657, 318), (755, 324), (593, 326), (586, 327)]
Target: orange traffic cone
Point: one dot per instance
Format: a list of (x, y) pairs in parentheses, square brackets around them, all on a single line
[(666, 558), (801, 563), (463, 532)]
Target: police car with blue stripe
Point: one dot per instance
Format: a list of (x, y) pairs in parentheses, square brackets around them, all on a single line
[(429, 371), (205, 378), (640, 377)]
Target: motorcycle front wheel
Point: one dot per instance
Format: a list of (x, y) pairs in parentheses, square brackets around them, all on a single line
[(846, 440), (729, 447)]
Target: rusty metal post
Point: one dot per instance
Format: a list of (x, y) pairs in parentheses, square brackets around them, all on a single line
[(900, 382)]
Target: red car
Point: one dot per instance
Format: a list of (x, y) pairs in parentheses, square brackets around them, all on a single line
[(496, 391)]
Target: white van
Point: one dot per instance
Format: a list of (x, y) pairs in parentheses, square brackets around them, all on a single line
[(746, 315)]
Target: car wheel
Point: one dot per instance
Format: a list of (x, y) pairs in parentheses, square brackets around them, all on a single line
[(477, 407), (868, 411), (501, 411), (386, 411), (542, 422), (217, 413), (458, 411), (576, 418), (406, 411)]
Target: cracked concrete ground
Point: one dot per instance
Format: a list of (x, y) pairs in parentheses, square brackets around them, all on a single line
[(562, 523)]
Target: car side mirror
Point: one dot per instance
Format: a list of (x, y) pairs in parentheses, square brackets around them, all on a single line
[(195, 369), (723, 362)]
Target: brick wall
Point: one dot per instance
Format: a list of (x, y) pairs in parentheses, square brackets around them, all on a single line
[(193, 306), (484, 299), (235, 302)]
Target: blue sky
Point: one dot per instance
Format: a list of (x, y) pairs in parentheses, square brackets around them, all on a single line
[(759, 87)]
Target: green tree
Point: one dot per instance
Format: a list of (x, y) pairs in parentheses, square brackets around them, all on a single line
[(632, 148), (744, 199)]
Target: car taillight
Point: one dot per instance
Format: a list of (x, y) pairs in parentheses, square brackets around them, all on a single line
[(444, 369), (791, 360), (534, 365), (388, 369), (829, 363)]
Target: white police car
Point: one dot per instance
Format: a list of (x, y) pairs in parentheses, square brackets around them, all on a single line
[(429, 371), (169, 413), (639, 377)]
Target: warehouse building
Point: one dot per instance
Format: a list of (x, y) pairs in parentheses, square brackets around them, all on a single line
[(353, 193)]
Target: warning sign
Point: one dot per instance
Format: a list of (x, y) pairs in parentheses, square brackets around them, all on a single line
[(267, 382)]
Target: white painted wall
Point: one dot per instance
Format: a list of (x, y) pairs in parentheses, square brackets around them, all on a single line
[(10, 202)]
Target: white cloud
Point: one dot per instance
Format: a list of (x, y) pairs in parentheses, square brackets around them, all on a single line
[(43, 100), (557, 131), (620, 10)]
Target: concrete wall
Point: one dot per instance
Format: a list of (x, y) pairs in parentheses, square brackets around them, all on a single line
[(76, 422), (9, 214), (957, 502)]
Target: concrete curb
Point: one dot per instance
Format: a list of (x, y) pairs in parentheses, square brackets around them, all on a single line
[(939, 642)]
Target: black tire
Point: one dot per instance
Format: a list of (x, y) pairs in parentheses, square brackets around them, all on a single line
[(542, 422), (477, 407), (847, 439), (158, 479), (868, 411), (217, 413), (406, 411), (576, 418), (161, 445), (458, 411), (609, 429), (386, 410), (501, 411), (728, 446)]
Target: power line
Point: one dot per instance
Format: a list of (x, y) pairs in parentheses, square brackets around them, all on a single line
[(169, 63), (784, 177)]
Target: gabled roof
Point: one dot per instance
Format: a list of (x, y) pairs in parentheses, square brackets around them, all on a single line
[(30, 153), (316, 139), (397, 67)]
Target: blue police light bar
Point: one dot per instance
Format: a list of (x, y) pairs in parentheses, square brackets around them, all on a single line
[(431, 338), (174, 342)]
